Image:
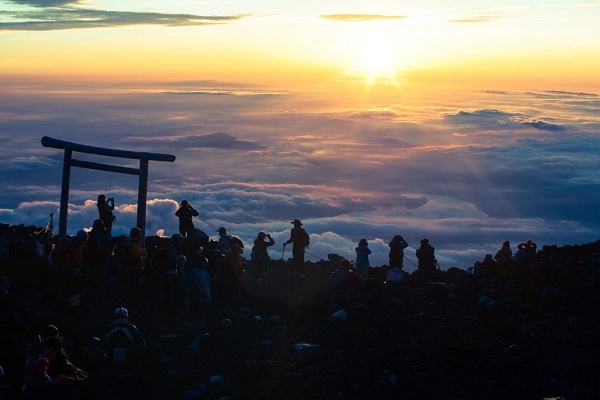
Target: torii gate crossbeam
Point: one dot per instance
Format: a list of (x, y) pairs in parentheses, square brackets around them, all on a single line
[(68, 162)]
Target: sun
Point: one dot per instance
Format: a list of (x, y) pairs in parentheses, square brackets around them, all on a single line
[(376, 60)]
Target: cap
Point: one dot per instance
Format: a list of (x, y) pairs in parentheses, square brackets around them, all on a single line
[(296, 222), (49, 330), (52, 342), (121, 312)]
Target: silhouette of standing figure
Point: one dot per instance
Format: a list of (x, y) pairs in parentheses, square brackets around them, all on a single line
[(185, 214), (300, 241), (105, 210), (426, 256)]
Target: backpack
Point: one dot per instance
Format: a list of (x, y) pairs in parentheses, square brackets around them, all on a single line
[(121, 253), (236, 240), (117, 346), (303, 238), (59, 253)]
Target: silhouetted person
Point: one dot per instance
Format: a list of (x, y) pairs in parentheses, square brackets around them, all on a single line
[(505, 253), (224, 240), (134, 263), (529, 249), (105, 211), (232, 276), (195, 287), (362, 259), (64, 374), (344, 278), (98, 246), (68, 255), (300, 241), (396, 255), (185, 213), (260, 255), (426, 257), (122, 339)]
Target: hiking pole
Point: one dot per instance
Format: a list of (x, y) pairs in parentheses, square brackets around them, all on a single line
[(318, 258), (118, 224), (407, 259), (283, 251)]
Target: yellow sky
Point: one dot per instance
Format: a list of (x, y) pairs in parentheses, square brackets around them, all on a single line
[(534, 44)]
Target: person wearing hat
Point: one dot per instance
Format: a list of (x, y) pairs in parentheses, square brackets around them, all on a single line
[(64, 374), (123, 340), (68, 254), (427, 261), (300, 241), (224, 240), (362, 263), (37, 381), (185, 213)]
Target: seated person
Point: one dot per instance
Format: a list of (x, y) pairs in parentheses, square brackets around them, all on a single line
[(122, 339), (344, 279)]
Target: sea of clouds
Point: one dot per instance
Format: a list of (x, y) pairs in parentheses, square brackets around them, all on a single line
[(466, 169)]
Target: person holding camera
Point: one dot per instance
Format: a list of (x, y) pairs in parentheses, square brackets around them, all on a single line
[(185, 213), (260, 255), (105, 209)]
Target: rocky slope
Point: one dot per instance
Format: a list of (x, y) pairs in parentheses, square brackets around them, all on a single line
[(523, 330)]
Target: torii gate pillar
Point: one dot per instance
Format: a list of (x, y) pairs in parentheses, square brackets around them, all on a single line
[(68, 162)]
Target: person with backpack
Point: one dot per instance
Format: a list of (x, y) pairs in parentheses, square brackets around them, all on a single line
[(185, 213), (66, 377), (195, 287), (260, 255), (123, 340), (427, 261), (67, 255), (105, 211), (300, 241), (226, 241), (164, 261)]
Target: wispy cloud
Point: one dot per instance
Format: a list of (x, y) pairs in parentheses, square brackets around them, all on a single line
[(54, 16), (477, 19), (362, 17)]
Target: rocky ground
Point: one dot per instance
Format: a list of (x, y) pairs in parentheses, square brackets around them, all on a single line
[(525, 330)]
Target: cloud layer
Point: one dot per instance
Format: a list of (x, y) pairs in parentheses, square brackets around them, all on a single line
[(467, 177)]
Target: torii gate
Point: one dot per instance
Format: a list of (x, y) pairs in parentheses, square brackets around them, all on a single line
[(142, 172)]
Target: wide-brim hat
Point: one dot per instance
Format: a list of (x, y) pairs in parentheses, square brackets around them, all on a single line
[(296, 222)]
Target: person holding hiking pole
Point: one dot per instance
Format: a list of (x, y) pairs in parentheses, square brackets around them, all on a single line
[(300, 241)]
